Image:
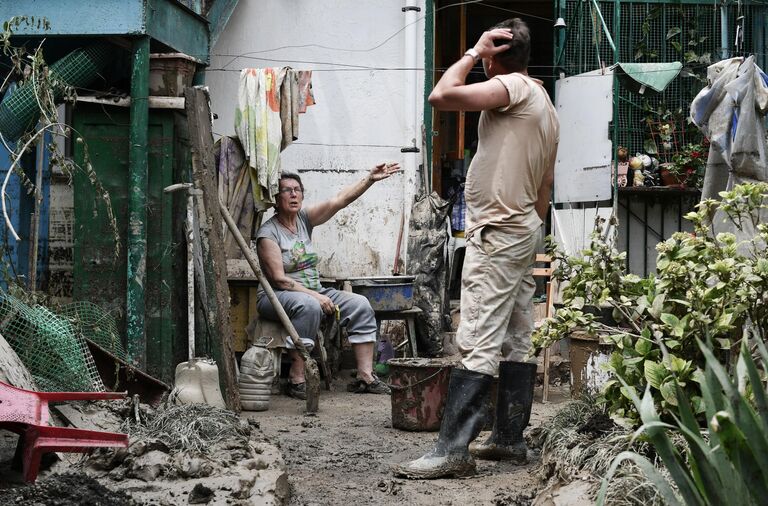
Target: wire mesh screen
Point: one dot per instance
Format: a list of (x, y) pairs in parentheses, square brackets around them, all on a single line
[(660, 32), (98, 325), (49, 346)]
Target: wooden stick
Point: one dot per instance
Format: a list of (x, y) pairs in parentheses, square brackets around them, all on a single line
[(214, 269), (547, 350), (310, 366)]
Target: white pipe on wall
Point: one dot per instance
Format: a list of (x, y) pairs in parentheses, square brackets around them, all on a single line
[(411, 97)]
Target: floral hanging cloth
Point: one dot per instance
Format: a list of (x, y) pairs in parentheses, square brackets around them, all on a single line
[(266, 122)]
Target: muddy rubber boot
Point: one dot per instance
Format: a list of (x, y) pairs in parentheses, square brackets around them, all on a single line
[(513, 411), (463, 419)]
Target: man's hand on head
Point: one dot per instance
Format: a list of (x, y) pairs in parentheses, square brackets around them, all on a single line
[(486, 46)]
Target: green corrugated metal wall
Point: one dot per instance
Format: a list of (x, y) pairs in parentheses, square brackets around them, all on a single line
[(100, 275)]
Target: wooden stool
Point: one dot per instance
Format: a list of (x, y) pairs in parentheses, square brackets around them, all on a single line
[(545, 272), (407, 315)]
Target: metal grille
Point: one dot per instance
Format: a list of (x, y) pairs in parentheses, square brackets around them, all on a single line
[(649, 32)]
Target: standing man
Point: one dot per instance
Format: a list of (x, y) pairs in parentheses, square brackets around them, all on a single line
[(507, 194)]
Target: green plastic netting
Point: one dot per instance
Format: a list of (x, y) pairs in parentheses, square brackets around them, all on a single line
[(91, 321), (20, 111), (50, 347)]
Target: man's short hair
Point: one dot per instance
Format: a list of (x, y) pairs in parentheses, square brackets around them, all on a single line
[(516, 57), (294, 176)]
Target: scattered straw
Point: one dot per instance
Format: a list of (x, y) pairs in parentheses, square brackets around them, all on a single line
[(194, 427), (567, 454)]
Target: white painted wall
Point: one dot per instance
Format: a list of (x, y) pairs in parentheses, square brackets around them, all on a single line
[(367, 103)]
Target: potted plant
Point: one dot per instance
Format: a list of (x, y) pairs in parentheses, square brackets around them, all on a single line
[(686, 169)]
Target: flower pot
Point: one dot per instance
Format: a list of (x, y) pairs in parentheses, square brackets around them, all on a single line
[(670, 179)]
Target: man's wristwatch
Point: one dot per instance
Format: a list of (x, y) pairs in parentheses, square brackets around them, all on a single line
[(471, 52)]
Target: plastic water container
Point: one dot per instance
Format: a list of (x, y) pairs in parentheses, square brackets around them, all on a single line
[(256, 374), (197, 382)]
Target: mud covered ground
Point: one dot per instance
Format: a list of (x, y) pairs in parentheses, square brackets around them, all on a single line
[(75, 489), (342, 455)]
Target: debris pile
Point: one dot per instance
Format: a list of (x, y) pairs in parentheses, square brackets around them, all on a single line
[(192, 453), (48, 345), (577, 447)]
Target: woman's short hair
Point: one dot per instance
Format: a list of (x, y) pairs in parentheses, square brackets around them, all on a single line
[(294, 176)]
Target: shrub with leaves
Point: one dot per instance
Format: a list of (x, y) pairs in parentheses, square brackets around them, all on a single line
[(727, 462), (707, 286)]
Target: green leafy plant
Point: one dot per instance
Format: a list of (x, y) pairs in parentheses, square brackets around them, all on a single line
[(706, 284), (725, 463), (689, 164)]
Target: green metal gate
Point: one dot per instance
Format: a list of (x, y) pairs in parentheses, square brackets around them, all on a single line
[(100, 270), (695, 33)]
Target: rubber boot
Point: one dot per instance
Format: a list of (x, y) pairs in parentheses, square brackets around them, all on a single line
[(463, 418), (513, 412)]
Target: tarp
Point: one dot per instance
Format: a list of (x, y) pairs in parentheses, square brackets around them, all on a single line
[(730, 111), (427, 261), (640, 76)]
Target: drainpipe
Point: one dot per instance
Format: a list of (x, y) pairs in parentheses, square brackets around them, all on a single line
[(724, 39), (411, 150), (137, 203)]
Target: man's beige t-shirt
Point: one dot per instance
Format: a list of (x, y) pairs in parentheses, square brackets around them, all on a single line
[(517, 145)]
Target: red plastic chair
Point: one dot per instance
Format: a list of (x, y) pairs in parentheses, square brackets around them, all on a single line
[(26, 413)]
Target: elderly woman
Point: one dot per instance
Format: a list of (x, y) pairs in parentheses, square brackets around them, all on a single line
[(284, 246)]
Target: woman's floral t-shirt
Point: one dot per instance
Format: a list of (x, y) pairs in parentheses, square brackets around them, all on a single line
[(299, 257)]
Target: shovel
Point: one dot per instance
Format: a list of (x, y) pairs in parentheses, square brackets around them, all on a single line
[(197, 379), (311, 372)]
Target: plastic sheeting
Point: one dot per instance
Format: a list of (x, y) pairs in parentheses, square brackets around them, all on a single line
[(656, 76), (730, 111)]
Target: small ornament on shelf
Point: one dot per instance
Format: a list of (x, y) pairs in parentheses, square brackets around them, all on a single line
[(639, 178), (623, 164)]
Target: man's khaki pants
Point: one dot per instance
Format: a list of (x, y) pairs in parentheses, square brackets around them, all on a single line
[(497, 290)]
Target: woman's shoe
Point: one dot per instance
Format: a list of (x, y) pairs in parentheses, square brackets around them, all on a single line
[(374, 387), (297, 390), (377, 387)]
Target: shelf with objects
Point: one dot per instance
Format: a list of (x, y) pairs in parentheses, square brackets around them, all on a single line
[(664, 50)]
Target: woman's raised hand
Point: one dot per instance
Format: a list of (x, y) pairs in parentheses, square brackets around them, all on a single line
[(384, 170)]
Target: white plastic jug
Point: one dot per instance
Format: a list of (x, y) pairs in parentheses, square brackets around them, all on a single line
[(256, 374)]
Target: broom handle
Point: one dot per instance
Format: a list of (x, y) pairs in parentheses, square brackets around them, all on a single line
[(254, 263)]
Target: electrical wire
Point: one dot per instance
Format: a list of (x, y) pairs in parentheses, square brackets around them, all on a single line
[(347, 145), (520, 13), (347, 49)]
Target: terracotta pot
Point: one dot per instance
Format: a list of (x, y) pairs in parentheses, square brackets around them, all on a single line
[(669, 179)]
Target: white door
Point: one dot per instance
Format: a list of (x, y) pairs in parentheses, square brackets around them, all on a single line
[(583, 168)]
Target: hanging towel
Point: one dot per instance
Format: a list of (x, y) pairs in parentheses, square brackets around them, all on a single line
[(266, 122), (235, 191), (258, 126), (289, 107), (305, 90)]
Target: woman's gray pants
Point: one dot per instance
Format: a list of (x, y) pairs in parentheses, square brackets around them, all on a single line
[(306, 314)]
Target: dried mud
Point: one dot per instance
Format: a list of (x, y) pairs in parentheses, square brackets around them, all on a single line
[(343, 455), (65, 490)]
